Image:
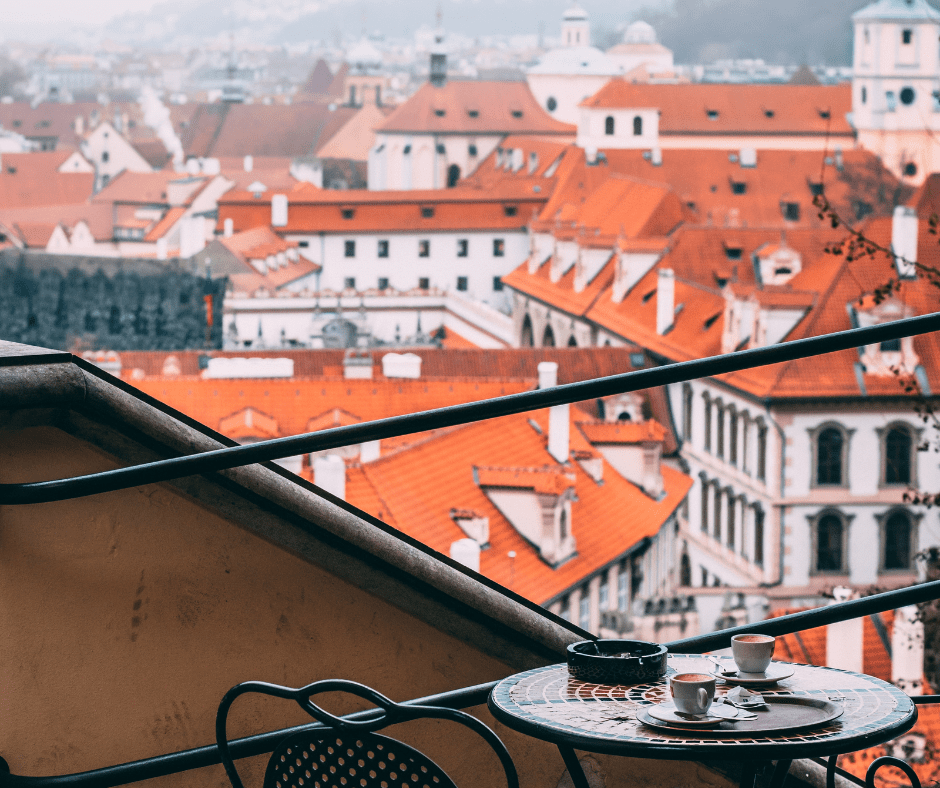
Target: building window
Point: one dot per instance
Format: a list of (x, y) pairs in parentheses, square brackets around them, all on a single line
[(499, 247), (791, 211), (463, 247), (349, 248), (383, 283), (704, 488), (897, 539), (908, 96), (716, 515), (552, 104), (732, 505), (603, 594), (830, 533), (510, 210), (424, 283), (830, 446), (758, 536), (864, 95), (104, 157), (704, 577), (349, 283), (497, 284), (720, 431), (638, 126), (424, 248), (623, 593), (708, 421), (584, 614), (745, 437), (609, 125), (462, 283), (732, 436), (685, 570), (907, 35), (687, 412), (383, 249), (897, 454), (762, 451), (565, 611), (427, 213), (348, 213)]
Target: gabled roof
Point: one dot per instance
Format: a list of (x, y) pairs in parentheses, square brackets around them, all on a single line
[(36, 224), (473, 107), (148, 188), (419, 487), (33, 179), (713, 108)]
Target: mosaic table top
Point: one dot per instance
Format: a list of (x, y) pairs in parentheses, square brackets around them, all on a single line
[(549, 704)]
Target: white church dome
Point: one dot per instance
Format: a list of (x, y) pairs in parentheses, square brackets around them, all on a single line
[(640, 33), (574, 14), (576, 60)]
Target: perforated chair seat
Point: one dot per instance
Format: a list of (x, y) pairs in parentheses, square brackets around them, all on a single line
[(366, 760)]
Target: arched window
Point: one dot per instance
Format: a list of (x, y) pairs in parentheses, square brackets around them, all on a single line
[(708, 421), (563, 524), (897, 457), (717, 514), (453, 175), (525, 336), (720, 431), (609, 125), (704, 515), (572, 342), (830, 452), (548, 338), (830, 533), (896, 539), (758, 536), (685, 570), (638, 126), (732, 504), (687, 412)]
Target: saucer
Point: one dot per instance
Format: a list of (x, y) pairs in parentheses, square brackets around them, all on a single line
[(666, 712), (776, 671)]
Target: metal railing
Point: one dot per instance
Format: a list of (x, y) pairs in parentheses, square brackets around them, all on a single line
[(221, 459)]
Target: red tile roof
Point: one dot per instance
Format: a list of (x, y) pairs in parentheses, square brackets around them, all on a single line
[(709, 109), (36, 224), (550, 479), (33, 179), (147, 188), (419, 487), (473, 107), (622, 431)]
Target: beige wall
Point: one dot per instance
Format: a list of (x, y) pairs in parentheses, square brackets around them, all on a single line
[(126, 616)]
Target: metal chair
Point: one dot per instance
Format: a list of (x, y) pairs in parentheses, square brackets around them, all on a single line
[(347, 753)]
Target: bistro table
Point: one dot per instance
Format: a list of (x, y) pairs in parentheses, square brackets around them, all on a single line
[(549, 704)]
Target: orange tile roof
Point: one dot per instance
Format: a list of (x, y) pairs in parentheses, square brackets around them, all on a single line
[(473, 107), (36, 224), (326, 210), (421, 485), (735, 109), (252, 281), (259, 242), (622, 431), (146, 188), (162, 227), (249, 423), (33, 179)]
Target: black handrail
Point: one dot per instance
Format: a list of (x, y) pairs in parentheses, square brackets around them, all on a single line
[(231, 457), (199, 757)]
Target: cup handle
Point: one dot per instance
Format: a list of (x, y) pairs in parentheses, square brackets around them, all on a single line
[(703, 698)]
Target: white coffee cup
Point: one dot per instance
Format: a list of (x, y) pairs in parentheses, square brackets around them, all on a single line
[(752, 653), (692, 693)]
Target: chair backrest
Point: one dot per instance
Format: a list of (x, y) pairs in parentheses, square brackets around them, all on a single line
[(346, 751), (366, 760)]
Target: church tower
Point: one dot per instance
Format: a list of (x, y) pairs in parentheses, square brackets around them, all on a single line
[(896, 85), (575, 28)]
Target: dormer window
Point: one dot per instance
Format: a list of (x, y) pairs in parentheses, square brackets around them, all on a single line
[(734, 252), (738, 187), (769, 113), (510, 210), (427, 212), (825, 114), (791, 211), (440, 113), (517, 113), (473, 113), (348, 213), (711, 114)]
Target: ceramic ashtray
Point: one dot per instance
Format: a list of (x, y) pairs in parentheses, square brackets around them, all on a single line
[(616, 661)]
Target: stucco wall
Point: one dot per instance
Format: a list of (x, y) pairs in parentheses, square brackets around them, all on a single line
[(127, 615)]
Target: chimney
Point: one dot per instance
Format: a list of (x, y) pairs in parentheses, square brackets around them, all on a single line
[(558, 422), (844, 639), (748, 157), (279, 210), (370, 451), (228, 228), (357, 365), (665, 301), (904, 241), (329, 474), (248, 163), (466, 552), (656, 157), (401, 365), (907, 651)]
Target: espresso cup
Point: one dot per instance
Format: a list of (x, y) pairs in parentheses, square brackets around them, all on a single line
[(752, 653), (692, 693)]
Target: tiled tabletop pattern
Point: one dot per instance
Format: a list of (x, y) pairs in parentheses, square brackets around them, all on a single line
[(560, 705)]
